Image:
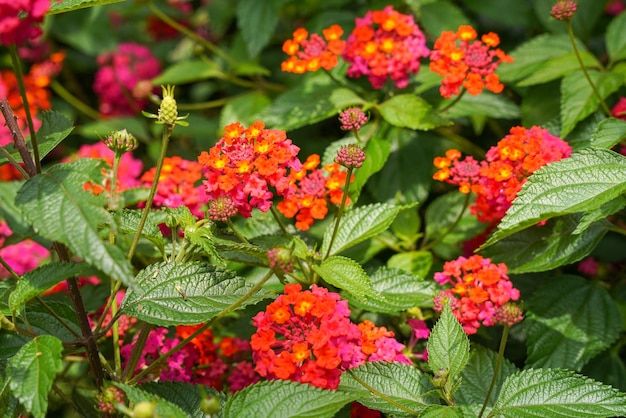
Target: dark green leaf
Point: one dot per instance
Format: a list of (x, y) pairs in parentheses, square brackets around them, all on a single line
[(551, 393), (487, 104), (10, 344), (615, 40), (608, 133), (441, 15), (448, 346), (410, 111), (162, 407), (187, 72), (63, 6), (256, 21), (32, 370), (590, 218), (185, 293), (558, 67), (44, 322), (9, 405), (243, 108), (285, 399), (184, 395), (10, 213), (59, 209), (609, 368), (442, 214), (404, 384), (569, 321), (347, 274)]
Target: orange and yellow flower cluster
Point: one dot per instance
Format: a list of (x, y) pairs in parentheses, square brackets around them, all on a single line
[(311, 54), (467, 62)]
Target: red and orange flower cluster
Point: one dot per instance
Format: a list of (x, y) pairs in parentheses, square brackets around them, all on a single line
[(467, 62), (480, 293), (313, 53), (20, 19), (307, 336), (311, 189), (245, 163), (497, 180)]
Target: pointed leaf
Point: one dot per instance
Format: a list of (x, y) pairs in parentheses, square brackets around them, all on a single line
[(347, 274), (615, 40), (256, 21), (569, 320), (361, 224), (608, 133), (558, 67), (285, 399), (405, 385), (448, 346), (411, 111), (552, 393), (60, 210), (583, 182), (185, 293), (162, 407), (32, 370)]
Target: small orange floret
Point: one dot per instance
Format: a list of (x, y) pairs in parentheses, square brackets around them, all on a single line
[(466, 33)]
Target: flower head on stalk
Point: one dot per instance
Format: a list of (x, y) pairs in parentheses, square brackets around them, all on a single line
[(20, 20), (467, 62), (314, 52), (168, 110), (352, 119), (564, 10)]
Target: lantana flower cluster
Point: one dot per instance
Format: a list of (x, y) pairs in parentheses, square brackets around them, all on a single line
[(385, 44), (467, 62), (314, 52), (479, 294), (245, 163), (310, 190), (307, 336), (497, 180), (20, 20)]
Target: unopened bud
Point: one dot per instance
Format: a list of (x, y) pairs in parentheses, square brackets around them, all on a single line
[(222, 208), (121, 141), (564, 10), (210, 405), (353, 118), (143, 409), (350, 156), (280, 260)]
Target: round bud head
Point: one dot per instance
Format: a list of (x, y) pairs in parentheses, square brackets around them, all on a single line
[(564, 10), (280, 260), (221, 209), (121, 141), (352, 118), (350, 156), (210, 405)]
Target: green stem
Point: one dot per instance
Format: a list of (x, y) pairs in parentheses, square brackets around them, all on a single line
[(14, 162), (496, 371), (140, 343), (236, 231), (382, 395), (200, 330), (342, 207), (570, 33), (74, 101), (453, 102), (167, 132), (15, 60), (9, 269), (429, 245)]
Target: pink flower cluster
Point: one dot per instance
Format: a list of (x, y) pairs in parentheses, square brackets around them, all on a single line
[(479, 294), (20, 19), (307, 336), (23, 256), (385, 44), (123, 81)]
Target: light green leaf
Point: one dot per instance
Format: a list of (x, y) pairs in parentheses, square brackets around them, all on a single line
[(37, 281), (185, 293), (442, 411), (162, 407), (544, 247), (129, 223), (399, 291), (569, 320), (256, 21), (285, 399), (184, 395), (558, 67), (578, 99), (187, 72), (583, 182), (243, 108), (608, 133), (347, 274), (552, 393), (404, 384), (487, 104), (411, 111), (615, 40), (60, 210), (361, 224), (63, 6), (413, 262), (9, 405), (448, 346), (592, 217), (32, 370)]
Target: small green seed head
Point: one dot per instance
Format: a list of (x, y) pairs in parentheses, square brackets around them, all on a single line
[(121, 141), (168, 111)]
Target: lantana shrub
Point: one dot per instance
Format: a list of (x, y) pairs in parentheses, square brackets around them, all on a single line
[(282, 209)]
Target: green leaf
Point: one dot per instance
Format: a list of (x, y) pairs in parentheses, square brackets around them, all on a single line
[(185, 293), (442, 411), (487, 104), (129, 223), (608, 367), (554, 393), (361, 224), (441, 15), (203, 238), (243, 108), (285, 399), (9, 405), (594, 216), (10, 213), (443, 212), (256, 21), (608, 133), (615, 40), (324, 99), (347, 274), (184, 395), (404, 384), (44, 322), (413, 262), (558, 67), (32, 370), (545, 247), (569, 320), (578, 99), (411, 111), (63, 6), (162, 407), (377, 151), (448, 346), (59, 209), (583, 182), (187, 72), (10, 344), (398, 292), (37, 281)]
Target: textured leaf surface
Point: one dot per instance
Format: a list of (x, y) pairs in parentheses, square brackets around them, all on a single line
[(615, 39), (186, 72), (402, 383), (60, 210), (361, 224), (347, 274), (442, 411), (555, 393), (129, 223), (184, 395), (256, 21), (285, 399), (558, 67), (410, 111), (32, 370), (487, 104), (398, 292), (448, 345), (569, 321), (162, 407), (43, 322), (63, 6), (583, 182), (608, 133), (185, 293)]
